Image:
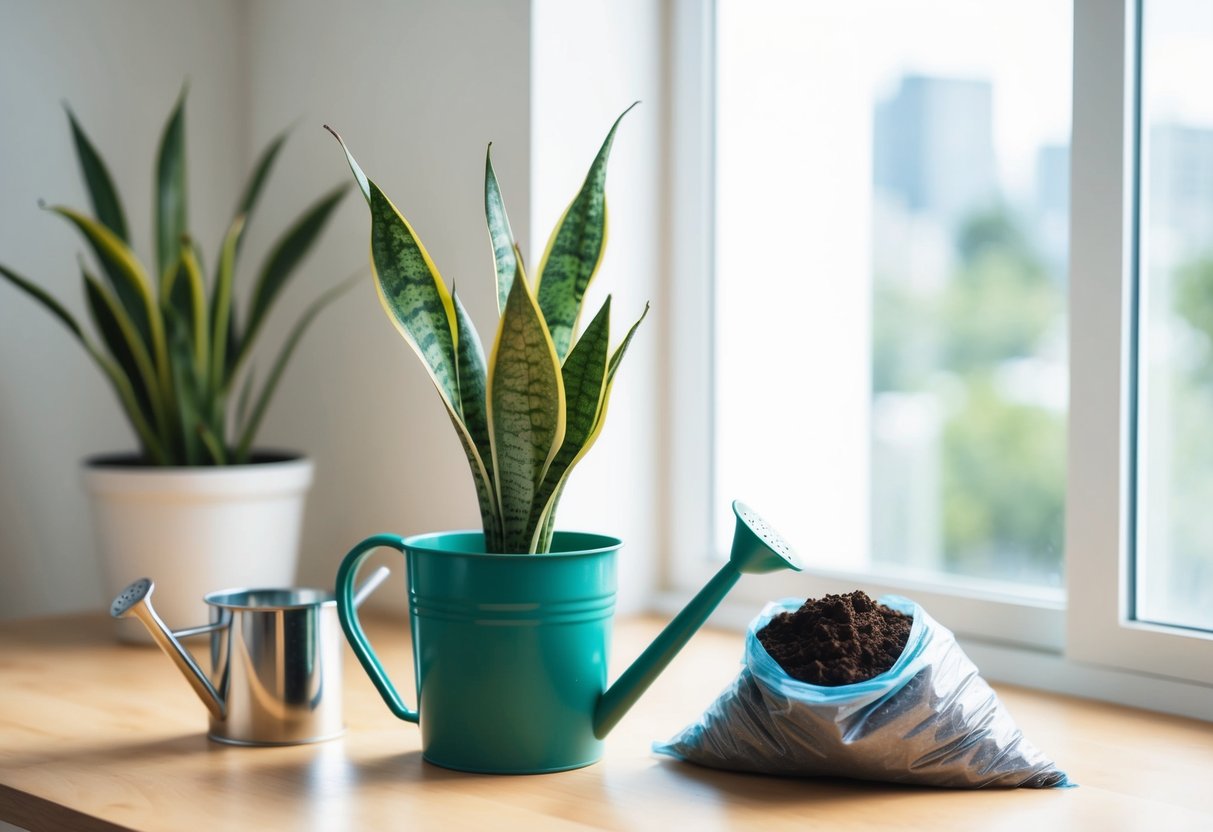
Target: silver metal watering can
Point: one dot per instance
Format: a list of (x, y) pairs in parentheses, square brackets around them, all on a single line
[(275, 660)]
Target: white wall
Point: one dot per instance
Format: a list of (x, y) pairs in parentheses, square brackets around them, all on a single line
[(417, 89)]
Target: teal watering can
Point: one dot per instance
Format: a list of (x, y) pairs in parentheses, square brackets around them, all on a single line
[(510, 651)]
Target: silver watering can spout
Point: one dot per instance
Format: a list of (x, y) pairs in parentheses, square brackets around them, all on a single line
[(136, 601), (757, 548)]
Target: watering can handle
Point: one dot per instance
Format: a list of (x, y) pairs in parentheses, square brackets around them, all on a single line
[(348, 613)]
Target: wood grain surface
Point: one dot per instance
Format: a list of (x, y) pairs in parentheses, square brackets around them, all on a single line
[(98, 736)]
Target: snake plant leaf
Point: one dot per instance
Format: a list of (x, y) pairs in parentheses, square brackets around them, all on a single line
[(122, 269), (131, 285), (261, 173), (199, 318), (584, 375), (486, 493), (473, 378), (621, 350), (575, 250), (284, 259), (612, 367), (213, 443), (417, 302), (412, 292), (549, 521), (119, 338), (364, 184), (186, 389), (246, 392), (473, 382), (106, 204), (171, 220), (46, 299), (183, 291), (553, 499), (526, 409), (152, 445), (501, 236), (221, 308), (249, 428)]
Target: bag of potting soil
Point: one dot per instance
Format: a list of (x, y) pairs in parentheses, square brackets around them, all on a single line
[(930, 719)]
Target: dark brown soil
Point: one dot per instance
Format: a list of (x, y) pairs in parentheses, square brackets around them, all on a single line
[(837, 640)]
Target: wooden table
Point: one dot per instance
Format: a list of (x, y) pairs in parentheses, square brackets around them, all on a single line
[(94, 735)]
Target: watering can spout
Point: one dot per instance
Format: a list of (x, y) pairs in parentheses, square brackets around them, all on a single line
[(757, 548), (135, 601)]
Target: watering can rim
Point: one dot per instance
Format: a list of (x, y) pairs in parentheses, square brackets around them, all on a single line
[(229, 598), (605, 543)]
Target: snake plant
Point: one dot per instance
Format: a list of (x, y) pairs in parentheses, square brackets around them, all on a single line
[(529, 412), (170, 351)]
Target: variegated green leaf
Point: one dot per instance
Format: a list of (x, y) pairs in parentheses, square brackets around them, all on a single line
[(472, 384), (549, 509), (46, 299), (621, 350), (186, 382), (221, 309), (526, 411), (549, 521), (584, 375), (106, 204), (130, 352), (214, 445), (419, 305), (575, 250), (131, 285), (249, 429), (117, 334), (195, 287), (122, 270), (486, 494), (171, 222), (282, 261), (261, 173), (183, 291), (246, 392), (500, 235), (414, 295)]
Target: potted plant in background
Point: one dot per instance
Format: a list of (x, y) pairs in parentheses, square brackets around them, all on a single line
[(197, 501), (511, 623)]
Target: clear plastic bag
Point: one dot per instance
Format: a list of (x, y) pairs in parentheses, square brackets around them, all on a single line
[(929, 720)]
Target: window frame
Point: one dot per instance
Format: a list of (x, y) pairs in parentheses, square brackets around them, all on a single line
[(1054, 637), (1101, 523)]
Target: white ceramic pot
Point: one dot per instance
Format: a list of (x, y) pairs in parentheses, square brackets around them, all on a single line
[(195, 530)]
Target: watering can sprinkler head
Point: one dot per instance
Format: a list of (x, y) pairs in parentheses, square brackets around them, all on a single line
[(757, 548)]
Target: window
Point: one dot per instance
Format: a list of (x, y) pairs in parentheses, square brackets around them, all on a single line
[(890, 279), (917, 351)]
